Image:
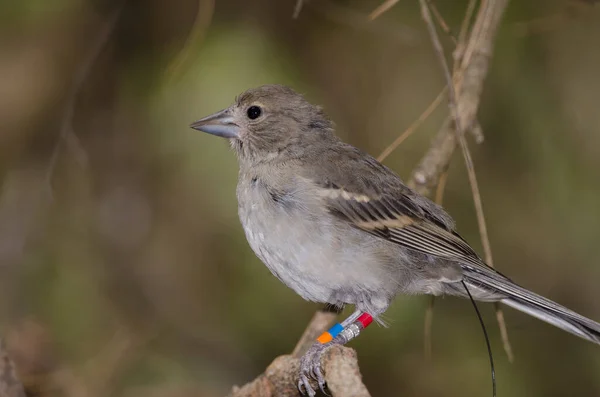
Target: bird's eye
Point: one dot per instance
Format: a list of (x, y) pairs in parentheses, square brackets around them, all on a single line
[(254, 112)]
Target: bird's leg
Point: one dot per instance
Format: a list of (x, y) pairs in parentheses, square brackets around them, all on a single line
[(339, 334)]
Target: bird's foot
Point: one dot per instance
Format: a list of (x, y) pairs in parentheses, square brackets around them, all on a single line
[(339, 334), (310, 366)]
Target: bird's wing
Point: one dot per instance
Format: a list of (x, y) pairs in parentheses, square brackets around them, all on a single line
[(398, 219), (373, 198)]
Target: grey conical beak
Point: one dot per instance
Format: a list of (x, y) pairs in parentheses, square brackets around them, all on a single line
[(219, 124)]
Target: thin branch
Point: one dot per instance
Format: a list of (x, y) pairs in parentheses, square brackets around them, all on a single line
[(297, 9), (504, 333), (442, 22), (460, 132), (462, 34), (382, 8), (201, 22), (432, 165), (476, 129), (441, 188), (459, 122), (457, 54), (67, 133), (413, 127)]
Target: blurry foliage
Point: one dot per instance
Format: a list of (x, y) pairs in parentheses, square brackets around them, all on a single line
[(125, 272)]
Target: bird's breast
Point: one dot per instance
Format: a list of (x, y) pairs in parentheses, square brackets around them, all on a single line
[(306, 248), (282, 236)]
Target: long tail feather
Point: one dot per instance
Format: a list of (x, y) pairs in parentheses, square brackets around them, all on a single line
[(487, 284)]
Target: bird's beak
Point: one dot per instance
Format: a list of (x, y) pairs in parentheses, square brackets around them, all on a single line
[(219, 124)]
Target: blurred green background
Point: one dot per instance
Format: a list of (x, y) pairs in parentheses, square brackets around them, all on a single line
[(123, 268)]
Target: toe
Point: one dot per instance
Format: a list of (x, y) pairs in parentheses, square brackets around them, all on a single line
[(313, 373), (303, 383), (320, 379), (310, 367), (301, 387)]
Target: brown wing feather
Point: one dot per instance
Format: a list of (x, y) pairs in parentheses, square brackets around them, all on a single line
[(395, 219), (371, 197)]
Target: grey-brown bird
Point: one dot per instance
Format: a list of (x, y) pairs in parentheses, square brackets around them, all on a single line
[(338, 227)]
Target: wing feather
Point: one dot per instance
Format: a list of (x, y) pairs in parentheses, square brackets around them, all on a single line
[(399, 220)]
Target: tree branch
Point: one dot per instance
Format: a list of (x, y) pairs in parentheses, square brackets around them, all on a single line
[(474, 66), (281, 377), (10, 386), (468, 84)]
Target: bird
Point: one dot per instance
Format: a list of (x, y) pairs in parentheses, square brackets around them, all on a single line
[(338, 227)]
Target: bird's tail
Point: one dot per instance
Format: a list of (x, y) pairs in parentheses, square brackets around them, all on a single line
[(489, 285)]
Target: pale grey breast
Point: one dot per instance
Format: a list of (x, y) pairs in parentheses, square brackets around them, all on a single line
[(293, 236)]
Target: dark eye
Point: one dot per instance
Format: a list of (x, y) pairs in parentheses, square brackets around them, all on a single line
[(254, 112)]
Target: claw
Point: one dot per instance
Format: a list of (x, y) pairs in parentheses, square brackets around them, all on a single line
[(308, 390), (300, 385), (310, 362), (310, 366), (320, 379)]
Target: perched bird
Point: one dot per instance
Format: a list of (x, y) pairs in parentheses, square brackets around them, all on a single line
[(338, 227)]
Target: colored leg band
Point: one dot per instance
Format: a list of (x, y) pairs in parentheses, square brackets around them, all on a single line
[(348, 333), (354, 329), (330, 334), (365, 319)]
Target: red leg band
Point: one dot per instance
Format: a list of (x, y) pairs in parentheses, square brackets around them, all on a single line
[(365, 319)]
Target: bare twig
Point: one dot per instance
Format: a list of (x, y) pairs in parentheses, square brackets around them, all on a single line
[(67, 133), (462, 34), (442, 22), (202, 20), (441, 188), (459, 122), (476, 129), (382, 8), (297, 9), (413, 127), (460, 132), (10, 386), (504, 333)]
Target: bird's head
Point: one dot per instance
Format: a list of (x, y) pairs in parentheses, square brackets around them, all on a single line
[(267, 121)]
